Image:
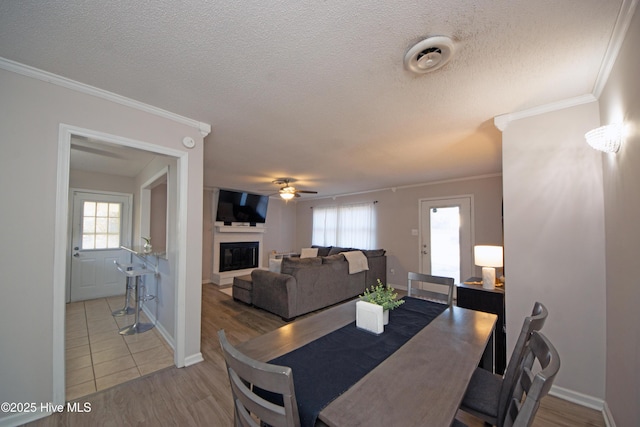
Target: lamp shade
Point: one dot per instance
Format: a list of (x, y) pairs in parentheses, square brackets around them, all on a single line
[(488, 256), (606, 138)]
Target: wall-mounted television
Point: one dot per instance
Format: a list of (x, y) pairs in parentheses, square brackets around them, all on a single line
[(238, 206)]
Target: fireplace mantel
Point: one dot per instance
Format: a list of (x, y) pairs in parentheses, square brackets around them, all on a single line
[(239, 229)]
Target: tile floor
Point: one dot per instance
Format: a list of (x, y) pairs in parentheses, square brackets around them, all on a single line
[(97, 357)]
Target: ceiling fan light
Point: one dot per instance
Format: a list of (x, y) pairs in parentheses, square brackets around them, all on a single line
[(287, 195)]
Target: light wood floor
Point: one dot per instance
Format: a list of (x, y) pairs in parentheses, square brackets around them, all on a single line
[(200, 395), (98, 357)]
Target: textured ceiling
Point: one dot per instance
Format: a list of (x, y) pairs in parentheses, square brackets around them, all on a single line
[(317, 90)]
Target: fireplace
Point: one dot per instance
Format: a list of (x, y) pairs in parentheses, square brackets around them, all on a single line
[(232, 242), (238, 255)]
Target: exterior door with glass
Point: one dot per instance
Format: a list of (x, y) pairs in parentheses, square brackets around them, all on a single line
[(101, 223), (446, 230)]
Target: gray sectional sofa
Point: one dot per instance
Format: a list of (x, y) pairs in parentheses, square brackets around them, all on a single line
[(308, 284)]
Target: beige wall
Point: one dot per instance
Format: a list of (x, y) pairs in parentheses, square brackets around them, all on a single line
[(398, 214), (620, 101), (554, 239), (281, 228), (31, 112)]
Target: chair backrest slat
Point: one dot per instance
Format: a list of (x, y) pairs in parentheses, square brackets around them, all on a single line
[(447, 283), (531, 388), (245, 374), (532, 323)]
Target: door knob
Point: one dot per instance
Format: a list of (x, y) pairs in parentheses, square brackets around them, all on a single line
[(76, 255), (424, 252)]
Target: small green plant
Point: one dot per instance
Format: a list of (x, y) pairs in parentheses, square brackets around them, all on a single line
[(147, 240), (383, 295)]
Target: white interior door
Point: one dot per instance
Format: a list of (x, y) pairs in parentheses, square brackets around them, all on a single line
[(101, 223), (446, 230)]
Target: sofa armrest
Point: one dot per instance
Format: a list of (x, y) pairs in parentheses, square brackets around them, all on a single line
[(377, 270), (274, 292)]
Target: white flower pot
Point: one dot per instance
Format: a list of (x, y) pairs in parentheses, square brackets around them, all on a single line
[(369, 317), (385, 317)]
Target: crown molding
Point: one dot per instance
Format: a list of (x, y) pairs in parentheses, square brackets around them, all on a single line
[(502, 121), (35, 73), (623, 21), (403, 187)]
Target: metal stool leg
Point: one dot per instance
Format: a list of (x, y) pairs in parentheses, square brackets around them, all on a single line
[(127, 309), (137, 327)]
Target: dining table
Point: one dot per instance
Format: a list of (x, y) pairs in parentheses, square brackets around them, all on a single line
[(421, 383)]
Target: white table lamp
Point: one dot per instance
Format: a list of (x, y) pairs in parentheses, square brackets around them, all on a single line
[(488, 257)]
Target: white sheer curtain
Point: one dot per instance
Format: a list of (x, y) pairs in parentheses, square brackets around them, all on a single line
[(348, 226), (325, 226)]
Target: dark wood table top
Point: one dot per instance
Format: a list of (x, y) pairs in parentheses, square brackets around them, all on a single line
[(420, 384)]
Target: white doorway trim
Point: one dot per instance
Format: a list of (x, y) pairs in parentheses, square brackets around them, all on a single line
[(65, 133)]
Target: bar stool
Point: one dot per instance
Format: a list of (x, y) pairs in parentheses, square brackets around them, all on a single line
[(130, 286), (140, 297)]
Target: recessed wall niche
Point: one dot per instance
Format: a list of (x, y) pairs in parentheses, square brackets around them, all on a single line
[(154, 204)]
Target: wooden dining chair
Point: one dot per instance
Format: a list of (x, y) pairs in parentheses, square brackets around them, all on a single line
[(488, 394), (530, 387), (245, 374), (444, 292)]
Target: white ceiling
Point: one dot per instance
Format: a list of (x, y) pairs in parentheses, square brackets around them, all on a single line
[(101, 157), (317, 90)]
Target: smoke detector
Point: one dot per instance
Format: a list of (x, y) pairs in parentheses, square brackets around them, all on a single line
[(429, 54)]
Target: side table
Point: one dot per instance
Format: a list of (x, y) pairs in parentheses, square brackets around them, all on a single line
[(475, 297)]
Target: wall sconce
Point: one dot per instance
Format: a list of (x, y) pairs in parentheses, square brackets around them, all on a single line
[(488, 257), (606, 138)]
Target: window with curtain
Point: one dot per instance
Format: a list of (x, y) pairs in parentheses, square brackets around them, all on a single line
[(347, 226)]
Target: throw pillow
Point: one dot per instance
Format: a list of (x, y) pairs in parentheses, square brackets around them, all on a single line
[(322, 250), (336, 250), (309, 253)]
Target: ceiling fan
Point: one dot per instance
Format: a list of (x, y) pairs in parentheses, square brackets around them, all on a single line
[(287, 191)]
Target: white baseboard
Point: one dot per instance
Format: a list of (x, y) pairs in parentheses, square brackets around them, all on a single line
[(586, 401), (189, 360), (167, 337), (399, 287), (577, 398), (193, 359), (608, 416)]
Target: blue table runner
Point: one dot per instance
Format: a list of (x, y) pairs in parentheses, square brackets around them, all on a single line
[(327, 367)]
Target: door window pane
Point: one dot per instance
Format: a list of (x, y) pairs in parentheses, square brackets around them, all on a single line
[(445, 242), (101, 225)]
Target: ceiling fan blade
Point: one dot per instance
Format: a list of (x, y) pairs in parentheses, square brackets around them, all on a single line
[(306, 191)]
